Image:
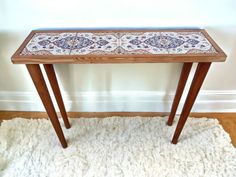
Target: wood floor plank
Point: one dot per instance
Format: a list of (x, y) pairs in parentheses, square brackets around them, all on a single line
[(227, 120)]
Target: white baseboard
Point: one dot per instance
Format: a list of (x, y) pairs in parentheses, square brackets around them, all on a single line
[(119, 101)]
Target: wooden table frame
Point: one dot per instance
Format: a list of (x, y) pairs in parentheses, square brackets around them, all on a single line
[(33, 65)]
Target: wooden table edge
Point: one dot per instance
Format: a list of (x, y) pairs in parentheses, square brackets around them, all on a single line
[(78, 60), (214, 44)]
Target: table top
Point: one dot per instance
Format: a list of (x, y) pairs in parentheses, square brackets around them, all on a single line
[(118, 46)]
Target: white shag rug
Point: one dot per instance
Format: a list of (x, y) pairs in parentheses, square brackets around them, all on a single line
[(116, 146)]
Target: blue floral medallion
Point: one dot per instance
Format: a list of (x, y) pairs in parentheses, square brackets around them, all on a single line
[(64, 43), (164, 42)]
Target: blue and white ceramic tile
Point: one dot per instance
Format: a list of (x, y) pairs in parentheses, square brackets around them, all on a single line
[(93, 43), (186, 42), (119, 43), (50, 44), (141, 43)]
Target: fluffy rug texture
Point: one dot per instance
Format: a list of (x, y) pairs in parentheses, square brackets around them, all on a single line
[(115, 146)]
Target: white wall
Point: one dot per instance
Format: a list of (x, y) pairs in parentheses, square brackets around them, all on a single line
[(121, 87)]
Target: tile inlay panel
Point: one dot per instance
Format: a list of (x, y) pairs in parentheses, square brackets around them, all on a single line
[(120, 43)]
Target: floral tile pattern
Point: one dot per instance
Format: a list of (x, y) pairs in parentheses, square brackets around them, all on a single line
[(89, 43), (141, 43), (50, 44), (119, 43), (189, 42)]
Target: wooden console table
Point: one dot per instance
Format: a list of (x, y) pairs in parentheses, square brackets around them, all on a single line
[(49, 47)]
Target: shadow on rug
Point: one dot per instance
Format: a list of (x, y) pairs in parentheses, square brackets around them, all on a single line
[(115, 146)]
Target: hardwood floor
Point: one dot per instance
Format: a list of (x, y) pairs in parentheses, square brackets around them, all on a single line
[(227, 120)]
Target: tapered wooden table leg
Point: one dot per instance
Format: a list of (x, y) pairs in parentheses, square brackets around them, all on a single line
[(198, 79), (179, 91), (56, 90), (39, 82)]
